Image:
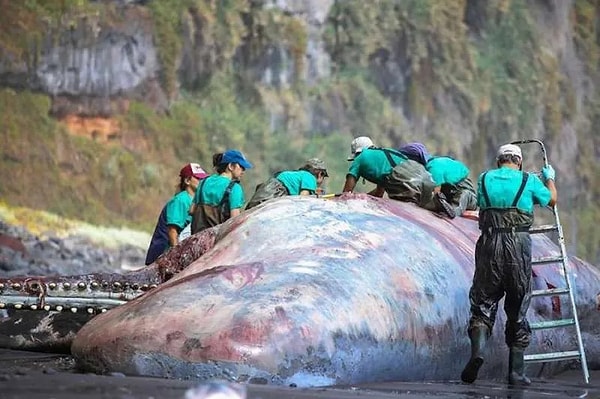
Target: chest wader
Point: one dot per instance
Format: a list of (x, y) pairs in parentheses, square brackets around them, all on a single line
[(270, 189), (206, 216), (502, 267), (461, 195), (408, 182)]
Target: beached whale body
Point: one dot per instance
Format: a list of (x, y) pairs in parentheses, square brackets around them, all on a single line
[(317, 292)]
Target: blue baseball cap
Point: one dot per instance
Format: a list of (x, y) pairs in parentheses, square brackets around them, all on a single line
[(235, 156)]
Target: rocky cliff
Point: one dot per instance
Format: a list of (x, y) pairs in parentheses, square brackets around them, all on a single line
[(102, 101)]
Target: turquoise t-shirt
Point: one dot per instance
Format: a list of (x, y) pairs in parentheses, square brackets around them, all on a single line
[(178, 209), (373, 164), (445, 170), (298, 180), (176, 213), (502, 185), (213, 190)]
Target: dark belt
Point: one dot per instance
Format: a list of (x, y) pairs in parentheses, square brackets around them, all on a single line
[(491, 230)]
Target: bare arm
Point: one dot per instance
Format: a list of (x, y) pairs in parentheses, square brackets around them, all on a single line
[(350, 184), (304, 192), (235, 212), (173, 235)]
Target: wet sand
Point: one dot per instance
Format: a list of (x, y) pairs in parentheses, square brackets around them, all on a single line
[(31, 375)]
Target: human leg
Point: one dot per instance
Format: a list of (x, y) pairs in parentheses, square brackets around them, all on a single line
[(478, 334), (484, 295), (442, 204), (461, 196), (518, 297)]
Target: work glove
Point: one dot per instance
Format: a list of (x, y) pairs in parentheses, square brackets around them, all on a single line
[(548, 173)]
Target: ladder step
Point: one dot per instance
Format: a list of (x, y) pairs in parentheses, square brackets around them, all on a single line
[(547, 259), (550, 292), (552, 324), (552, 357), (543, 228)]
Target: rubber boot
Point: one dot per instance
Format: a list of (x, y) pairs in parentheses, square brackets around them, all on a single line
[(516, 368), (479, 336)]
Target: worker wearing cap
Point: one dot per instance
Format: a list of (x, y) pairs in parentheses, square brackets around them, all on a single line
[(506, 197), (175, 216), (403, 179), (220, 196), (304, 181), (454, 191)]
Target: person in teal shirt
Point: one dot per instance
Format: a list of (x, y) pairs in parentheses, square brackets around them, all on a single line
[(506, 198), (304, 181), (454, 191), (393, 173), (220, 197), (175, 216)]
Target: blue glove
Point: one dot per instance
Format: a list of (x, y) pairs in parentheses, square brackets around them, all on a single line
[(548, 173)]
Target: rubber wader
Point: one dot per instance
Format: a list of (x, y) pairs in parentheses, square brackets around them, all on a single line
[(478, 336), (516, 368)]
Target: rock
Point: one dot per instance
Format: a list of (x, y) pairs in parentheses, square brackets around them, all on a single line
[(49, 371), (58, 256), (93, 66), (7, 241)]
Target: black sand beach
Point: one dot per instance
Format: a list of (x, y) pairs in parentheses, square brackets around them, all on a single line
[(31, 375)]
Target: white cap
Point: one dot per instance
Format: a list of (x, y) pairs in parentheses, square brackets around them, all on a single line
[(359, 144), (509, 149)]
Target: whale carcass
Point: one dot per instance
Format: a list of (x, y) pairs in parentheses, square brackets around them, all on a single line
[(314, 292)]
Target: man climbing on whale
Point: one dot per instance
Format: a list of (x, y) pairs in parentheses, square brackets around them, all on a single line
[(304, 181), (401, 178), (454, 191)]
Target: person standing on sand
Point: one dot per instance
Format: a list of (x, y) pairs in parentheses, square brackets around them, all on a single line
[(175, 216), (506, 197), (220, 197)]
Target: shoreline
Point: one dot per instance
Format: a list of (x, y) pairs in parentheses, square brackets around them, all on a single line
[(35, 375)]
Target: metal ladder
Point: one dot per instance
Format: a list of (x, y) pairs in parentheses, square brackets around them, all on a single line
[(578, 354)]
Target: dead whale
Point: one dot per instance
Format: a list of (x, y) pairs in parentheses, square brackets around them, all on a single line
[(43, 313), (313, 292)]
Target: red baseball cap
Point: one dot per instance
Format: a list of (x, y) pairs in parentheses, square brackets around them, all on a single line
[(192, 169)]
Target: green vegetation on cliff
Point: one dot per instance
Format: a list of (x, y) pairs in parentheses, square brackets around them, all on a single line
[(460, 76)]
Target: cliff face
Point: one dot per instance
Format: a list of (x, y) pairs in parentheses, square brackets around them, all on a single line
[(158, 83), (88, 65)]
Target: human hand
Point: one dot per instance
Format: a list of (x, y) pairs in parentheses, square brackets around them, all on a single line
[(548, 173)]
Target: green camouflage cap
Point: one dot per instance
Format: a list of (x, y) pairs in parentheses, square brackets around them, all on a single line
[(317, 164)]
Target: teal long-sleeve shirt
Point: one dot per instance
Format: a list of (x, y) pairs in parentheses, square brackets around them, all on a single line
[(446, 170)]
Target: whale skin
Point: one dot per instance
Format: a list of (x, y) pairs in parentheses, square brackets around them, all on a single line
[(305, 291)]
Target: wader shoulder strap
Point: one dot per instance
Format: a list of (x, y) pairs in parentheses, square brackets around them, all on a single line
[(223, 206), (484, 190), (388, 153), (200, 190), (226, 193), (520, 192), (517, 196), (199, 222)]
